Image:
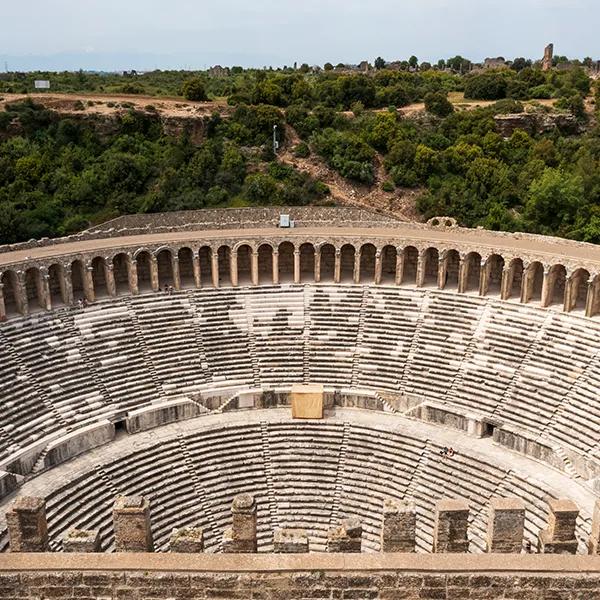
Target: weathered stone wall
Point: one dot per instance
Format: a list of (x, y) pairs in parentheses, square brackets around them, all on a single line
[(286, 577)]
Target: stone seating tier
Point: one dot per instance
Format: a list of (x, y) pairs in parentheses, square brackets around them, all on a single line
[(303, 475), (512, 363)]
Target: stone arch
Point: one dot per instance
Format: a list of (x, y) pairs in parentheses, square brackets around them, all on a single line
[(57, 285), (431, 267), (451, 270), (144, 271), (164, 262), (534, 282), (514, 285), (78, 279), (347, 263), (557, 279), (265, 264), (244, 264), (205, 260), (494, 270), (286, 262), (121, 265), (224, 262), (578, 290), (472, 275), (410, 261), (389, 256), (307, 263), (327, 262), (11, 291), (99, 277), (33, 289), (367, 263), (185, 258)]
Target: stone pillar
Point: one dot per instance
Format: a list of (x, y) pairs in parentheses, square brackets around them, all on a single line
[(132, 275), (485, 274), (420, 279), (591, 300), (82, 540), (154, 281), (21, 294), (175, 268), (131, 521), (317, 264), (463, 274), (27, 527), (187, 540), (337, 266), (399, 265), (276, 267), (241, 537), (254, 267), (109, 274), (548, 56), (197, 273), (345, 538), (594, 541), (378, 267), (356, 270), (44, 290), (451, 522), (547, 288), (296, 266), (214, 264), (506, 283), (290, 541), (505, 525), (398, 527), (88, 284), (233, 268), (2, 305), (67, 288), (442, 270), (559, 536)]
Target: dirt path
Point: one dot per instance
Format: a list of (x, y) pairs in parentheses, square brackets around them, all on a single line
[(107, 104), (400, 203)]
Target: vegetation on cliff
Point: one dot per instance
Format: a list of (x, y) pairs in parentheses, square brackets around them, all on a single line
[(57, 174)]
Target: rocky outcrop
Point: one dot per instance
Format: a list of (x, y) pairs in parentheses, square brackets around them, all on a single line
[(537, 123)]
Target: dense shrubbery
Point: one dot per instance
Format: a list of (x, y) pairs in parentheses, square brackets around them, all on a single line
[(57, 176)]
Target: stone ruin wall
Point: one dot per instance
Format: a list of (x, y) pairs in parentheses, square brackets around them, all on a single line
[(289, 577), (268, 217), (30, 572)]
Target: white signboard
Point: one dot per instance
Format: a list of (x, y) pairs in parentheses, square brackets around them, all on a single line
[(42, 84), (284, 220)]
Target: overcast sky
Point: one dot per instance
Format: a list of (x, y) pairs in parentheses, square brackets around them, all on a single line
[(145, 34)]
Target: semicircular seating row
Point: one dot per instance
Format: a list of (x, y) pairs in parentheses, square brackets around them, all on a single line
[(305, 483), (529, 368)]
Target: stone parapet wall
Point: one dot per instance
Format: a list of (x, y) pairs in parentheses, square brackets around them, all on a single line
[(279, 577), (268, 217), (222, 218)]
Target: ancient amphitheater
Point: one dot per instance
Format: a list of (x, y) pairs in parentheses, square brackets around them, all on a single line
[(149, 372)]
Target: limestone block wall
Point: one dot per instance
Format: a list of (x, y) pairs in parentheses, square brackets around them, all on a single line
[(297, 576)]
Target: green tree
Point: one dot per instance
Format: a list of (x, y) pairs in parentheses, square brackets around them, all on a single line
[(553, 201), (520, 63), (379, 63), (193, 89), (437, 104)]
